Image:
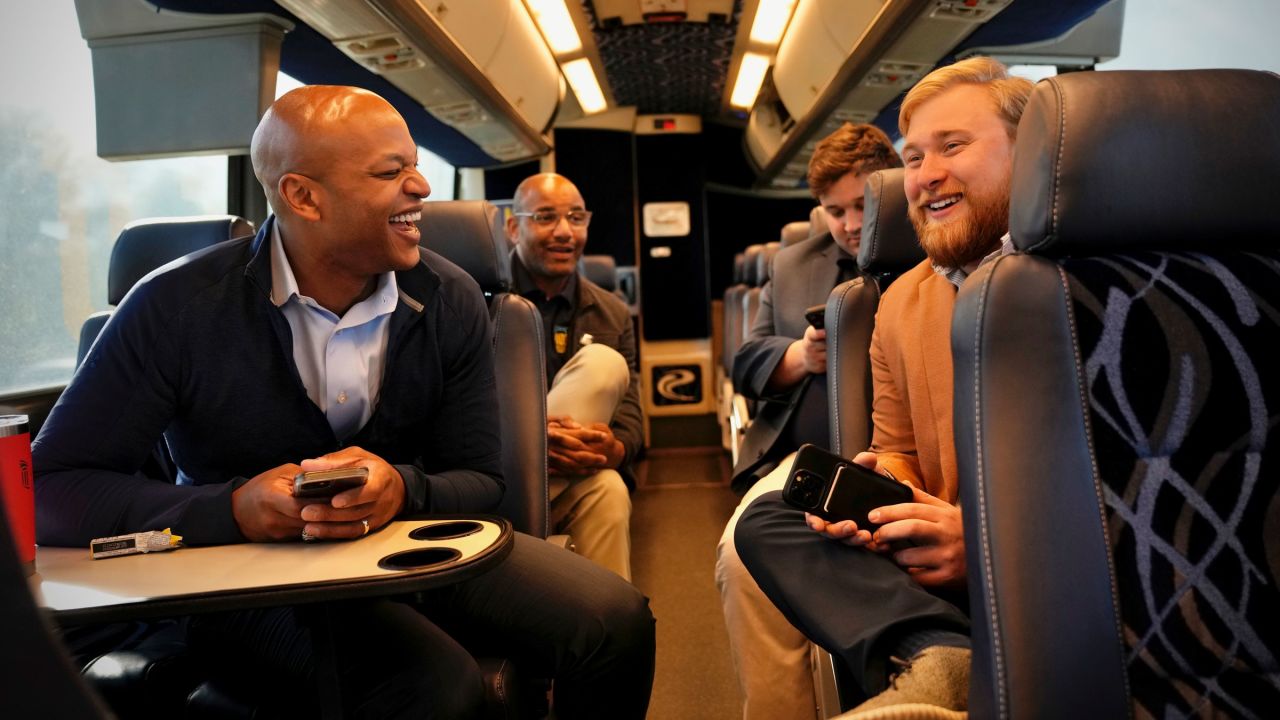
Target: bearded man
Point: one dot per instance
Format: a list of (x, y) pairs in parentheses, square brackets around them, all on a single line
[(893, 604)]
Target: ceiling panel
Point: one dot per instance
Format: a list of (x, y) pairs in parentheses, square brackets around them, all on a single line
[(673, 68)]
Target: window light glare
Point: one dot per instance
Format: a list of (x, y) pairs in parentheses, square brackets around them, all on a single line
[(556, 25), (750, 77), (771, 20), (583, 81)]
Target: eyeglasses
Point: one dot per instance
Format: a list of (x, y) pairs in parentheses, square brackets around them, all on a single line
[(551, 218)]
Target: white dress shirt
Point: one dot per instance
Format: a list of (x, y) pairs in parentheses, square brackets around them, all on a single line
[(340, 359)]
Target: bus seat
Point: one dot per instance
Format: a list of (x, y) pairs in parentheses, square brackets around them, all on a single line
[(741, 409), (888, 248), (601, 270), (817, 220), (145, 245), (794, 232), (735, 329), (470, 234), (730, 339), (38, 679), (1115, 402), (764, 268)]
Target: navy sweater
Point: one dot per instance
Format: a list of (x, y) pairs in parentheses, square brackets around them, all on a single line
[(198, 354)]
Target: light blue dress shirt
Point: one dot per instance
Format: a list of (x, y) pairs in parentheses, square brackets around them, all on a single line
[(340, 359)]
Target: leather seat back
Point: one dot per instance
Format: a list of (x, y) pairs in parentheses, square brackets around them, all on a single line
[(735, 324), (1115, 395), (145, 245), (794, 232), (817, 220), (888, 248), (601, 270), (470, 234)]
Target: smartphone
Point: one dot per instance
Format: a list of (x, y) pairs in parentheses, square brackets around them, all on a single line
[(836, 489), (815, 316), (323, 484)]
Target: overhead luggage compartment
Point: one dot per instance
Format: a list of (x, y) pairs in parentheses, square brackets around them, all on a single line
[(480, 66), (170, 84)]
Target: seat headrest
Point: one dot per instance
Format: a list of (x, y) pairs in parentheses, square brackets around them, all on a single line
[(1132, 159), (817, 220), (470, 234), (145, 245), (889, 243), (751, 268), (794, 232), (601, 270), (764, 261), (738, 260)]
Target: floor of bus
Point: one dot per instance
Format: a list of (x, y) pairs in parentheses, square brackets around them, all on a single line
[(680, 506)]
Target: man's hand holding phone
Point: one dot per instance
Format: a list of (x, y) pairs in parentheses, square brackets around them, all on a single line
[(265, 509), (353, 512), (925, 536)]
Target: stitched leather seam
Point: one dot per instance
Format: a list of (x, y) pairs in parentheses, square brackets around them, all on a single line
[(993, 607), (875, 239), (1057, 168), (834, 377), (1097, 477), (541, 359)]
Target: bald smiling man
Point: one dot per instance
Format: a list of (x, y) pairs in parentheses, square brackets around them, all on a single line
[(331, 339)]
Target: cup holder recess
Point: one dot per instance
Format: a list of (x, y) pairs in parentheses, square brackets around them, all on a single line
[(419, 558), (446, 530)]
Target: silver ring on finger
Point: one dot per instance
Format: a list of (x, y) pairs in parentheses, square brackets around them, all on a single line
[(365, 523)]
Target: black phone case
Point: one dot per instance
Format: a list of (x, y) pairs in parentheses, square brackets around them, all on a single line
[(327, 487), (816, 316), (843, 490)]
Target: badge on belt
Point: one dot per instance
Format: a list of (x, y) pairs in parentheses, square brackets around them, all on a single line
[(561, 338)]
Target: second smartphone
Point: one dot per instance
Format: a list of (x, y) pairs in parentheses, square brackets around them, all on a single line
[(835, 488)]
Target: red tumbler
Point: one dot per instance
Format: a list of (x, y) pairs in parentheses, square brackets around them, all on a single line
[(16, 485)]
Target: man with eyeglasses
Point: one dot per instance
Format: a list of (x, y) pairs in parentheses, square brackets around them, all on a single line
[(594, 424)]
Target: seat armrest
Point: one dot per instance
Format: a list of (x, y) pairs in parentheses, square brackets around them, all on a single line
[(563, 541)]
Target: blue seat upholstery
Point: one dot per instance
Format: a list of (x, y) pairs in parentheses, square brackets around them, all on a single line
[(1116, 398), (601, 270), (145, 245)]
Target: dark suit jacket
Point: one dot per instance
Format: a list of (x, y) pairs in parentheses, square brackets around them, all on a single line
[(803, 276), (199, 354), (608, 320)]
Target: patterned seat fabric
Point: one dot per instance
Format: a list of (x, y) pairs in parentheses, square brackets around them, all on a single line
[(1181, 361)]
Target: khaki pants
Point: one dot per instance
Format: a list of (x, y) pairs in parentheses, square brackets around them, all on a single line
[(771, 656), (594, 510)]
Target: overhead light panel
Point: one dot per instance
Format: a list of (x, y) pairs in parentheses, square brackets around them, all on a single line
[(771, 20), (750, 77), (556, 25), (583, 81)]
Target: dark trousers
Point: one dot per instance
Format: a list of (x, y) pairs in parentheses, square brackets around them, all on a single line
[(852, 602), (554, 613)]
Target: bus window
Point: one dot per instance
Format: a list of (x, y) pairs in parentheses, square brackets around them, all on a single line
[(64, 206)]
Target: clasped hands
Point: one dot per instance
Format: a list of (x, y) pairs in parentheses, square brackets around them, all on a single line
[(925, 537), (575, 450), (266, 510)]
